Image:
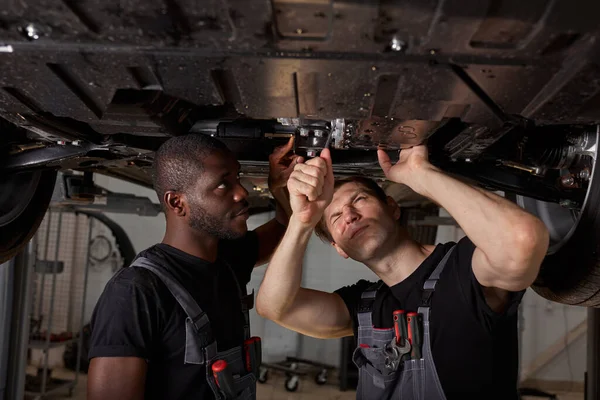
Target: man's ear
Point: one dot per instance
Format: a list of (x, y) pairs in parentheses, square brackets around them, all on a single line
[(176, 203), (339, 250), (394, 207)]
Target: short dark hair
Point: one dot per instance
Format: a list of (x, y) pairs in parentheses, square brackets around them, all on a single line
[(367, 183), (179, 161)]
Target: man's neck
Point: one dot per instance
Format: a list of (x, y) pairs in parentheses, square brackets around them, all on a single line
[(195, 243), (403, 257)]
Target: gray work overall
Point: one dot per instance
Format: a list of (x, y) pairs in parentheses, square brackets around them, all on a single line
[(413, 379), (200, 345)]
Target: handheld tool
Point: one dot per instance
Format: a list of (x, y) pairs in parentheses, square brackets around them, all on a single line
[(258, 350), (253, 354), (394, 353), (400, 326), (399, 347), (401, 330), (223, 378), (415, 335)]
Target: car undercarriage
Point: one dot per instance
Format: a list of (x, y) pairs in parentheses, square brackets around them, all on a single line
[(506, 95)]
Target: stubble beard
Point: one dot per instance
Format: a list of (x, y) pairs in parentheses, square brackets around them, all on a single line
[(201, 220)]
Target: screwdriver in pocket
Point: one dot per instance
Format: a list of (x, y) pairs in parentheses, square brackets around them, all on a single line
[(414, 335), (223, 378), (400, 326)]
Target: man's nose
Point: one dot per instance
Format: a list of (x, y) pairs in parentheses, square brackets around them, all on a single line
[(240, 193), (350, 214)]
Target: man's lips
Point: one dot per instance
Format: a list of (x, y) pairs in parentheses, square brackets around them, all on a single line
[(243, 211), (357, 230)]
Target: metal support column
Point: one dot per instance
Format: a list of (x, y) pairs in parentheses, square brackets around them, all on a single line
[(51, 309), (21, 313), (592, 381), (46, 243), (85, 286), (6, 297)]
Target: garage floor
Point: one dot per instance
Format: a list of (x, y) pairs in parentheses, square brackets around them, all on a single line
[(273, 390)]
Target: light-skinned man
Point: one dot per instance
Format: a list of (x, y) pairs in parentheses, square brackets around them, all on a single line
[(458, 300)]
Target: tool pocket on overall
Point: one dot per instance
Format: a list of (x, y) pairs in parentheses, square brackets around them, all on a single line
[(244, 382), (245, 387), (376, 381), (374, 377), (411, 384)]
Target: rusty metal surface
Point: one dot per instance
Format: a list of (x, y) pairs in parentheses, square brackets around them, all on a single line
[(398, 70), (391, 133), (317, 59)]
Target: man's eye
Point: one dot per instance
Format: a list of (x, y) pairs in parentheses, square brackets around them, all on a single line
[(359, 198), (222, 186)]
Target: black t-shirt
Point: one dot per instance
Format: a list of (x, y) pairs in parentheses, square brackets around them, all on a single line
[(137, 316), (475, 349)]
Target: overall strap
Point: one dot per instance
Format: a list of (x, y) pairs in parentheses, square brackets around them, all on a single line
[(430, 283), (365, 307), (246, 300), (193, 311)]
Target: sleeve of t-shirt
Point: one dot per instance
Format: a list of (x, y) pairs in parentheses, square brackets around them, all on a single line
[(351, 295), (473, 290), (241, 254), (126, 319)]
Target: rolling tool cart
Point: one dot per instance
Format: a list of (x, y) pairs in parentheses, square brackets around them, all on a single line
[(294, 368)]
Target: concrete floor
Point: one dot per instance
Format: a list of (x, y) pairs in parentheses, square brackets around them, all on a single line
[(272, 390)]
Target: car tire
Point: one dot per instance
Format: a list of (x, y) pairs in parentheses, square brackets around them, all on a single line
[(24, 199), (570, 273)]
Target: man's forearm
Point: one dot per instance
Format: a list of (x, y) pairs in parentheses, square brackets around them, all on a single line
[(502, 230), (283, 210), (271, 233), (284, 273)]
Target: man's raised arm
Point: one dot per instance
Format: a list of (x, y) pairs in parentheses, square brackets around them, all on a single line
[(280, 297), (281, 165), (510, 243)]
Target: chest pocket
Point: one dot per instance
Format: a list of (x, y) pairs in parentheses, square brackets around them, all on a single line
[(410, 376), (235, 381)]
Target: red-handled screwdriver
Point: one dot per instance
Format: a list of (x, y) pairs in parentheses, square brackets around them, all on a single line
[(223, 378), (252, 349), (400, 326), (258, 350), (414, 335)]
